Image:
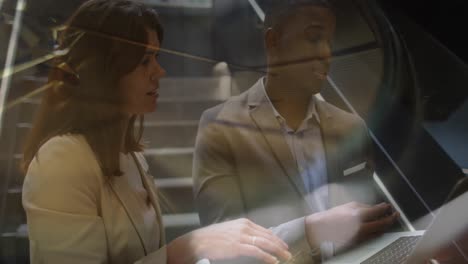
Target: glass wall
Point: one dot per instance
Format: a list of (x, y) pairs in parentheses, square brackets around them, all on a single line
[(382, 68)]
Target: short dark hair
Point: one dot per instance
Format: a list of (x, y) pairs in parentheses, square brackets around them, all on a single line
[(280, 10)]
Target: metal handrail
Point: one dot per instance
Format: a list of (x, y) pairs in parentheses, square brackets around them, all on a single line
[(6, 81)]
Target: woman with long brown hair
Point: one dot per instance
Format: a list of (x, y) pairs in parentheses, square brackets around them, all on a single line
[(87, 193)]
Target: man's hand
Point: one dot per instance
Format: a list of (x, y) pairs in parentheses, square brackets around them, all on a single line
[(349, 224)]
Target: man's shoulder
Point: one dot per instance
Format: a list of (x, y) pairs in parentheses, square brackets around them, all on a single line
[(338, 114), (229, 109)]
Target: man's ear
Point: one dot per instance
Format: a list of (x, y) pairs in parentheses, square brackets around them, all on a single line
[(271, 39)]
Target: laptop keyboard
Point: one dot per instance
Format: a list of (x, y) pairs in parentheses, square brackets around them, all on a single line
[(395, 253)]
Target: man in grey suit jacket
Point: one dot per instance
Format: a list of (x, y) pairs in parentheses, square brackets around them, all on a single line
[(282, 158)]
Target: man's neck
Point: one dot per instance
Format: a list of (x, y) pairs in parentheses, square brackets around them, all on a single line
[(292, 105)]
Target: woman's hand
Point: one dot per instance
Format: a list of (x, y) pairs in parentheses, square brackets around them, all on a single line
[(228, 240)]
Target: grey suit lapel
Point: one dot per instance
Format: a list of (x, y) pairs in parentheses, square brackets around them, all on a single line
[(330, 141), (265, 120), (331, 145)]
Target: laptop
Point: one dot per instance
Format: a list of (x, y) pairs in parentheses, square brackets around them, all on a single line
[(415, 246)]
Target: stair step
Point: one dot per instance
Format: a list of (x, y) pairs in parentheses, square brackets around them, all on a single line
[(170, 162), (13, 163), (170, 133), (156, 134), (176, 200), (201, 88), (169, 151), (28, 109), (173, 183), (176, 220), (188, 5), (15, 190), (166, 109), (181, 110), (26, 85), (180, 224), (163, 163), (14, 212), (22, 130), (9, 234), (216, 88), (197, 93), (14, 250), (173, 123), (20, 232), (16, 177)]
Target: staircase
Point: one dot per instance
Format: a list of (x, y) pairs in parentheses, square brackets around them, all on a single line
[(14, 247), (170, 132), (169, 137)]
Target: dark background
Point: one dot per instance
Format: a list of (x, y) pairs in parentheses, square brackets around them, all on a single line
[(446, 20)]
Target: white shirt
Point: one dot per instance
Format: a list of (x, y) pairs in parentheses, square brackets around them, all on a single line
[(306, 146), (132, 174)]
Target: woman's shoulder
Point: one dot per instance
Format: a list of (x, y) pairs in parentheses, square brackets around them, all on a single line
[(65, 143), (65, 151), (63, 167)]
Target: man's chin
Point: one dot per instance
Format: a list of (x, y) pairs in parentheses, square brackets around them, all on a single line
[(314, 90)]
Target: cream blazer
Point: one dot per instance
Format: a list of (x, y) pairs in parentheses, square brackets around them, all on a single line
[(243, 166), (75, 216)]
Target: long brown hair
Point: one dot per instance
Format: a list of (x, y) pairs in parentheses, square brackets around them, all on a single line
[(100, 42)]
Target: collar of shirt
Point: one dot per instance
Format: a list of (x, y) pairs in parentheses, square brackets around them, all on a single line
[(311, 110)]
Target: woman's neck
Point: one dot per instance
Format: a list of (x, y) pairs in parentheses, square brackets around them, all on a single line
[(125, 124)]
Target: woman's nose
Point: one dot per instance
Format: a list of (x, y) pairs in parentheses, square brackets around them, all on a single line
[(159, 70), (162, 72)]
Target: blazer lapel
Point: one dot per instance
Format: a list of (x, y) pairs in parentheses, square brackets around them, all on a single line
[(150, 187), (131, 205), (148, 183), (264, 118), (330, 144)]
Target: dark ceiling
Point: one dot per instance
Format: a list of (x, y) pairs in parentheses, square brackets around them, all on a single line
[(446, 20)]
